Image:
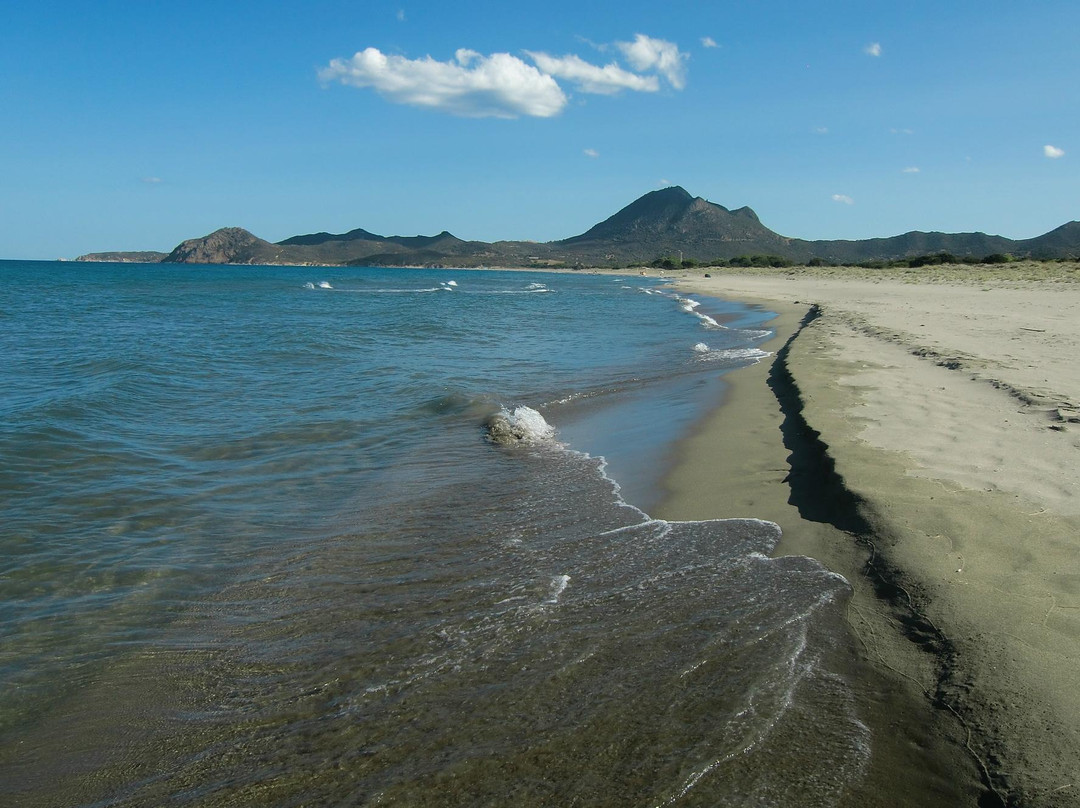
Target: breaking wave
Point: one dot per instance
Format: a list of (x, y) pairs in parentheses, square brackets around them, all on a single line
[(522, 425)]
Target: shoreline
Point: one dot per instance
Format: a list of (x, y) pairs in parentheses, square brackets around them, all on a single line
[(967, 618), (736, 464)]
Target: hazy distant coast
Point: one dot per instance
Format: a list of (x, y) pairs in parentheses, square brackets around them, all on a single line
[(132, 257), (666, 223)]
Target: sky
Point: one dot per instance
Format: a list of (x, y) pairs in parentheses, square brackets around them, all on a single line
[(135, 125)]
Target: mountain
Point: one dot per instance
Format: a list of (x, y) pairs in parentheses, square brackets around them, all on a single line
[(359, 246), (671, 222), (668, 222), (909, 245), (314, 239), (1058, 243), (652, 214), (229, 245)]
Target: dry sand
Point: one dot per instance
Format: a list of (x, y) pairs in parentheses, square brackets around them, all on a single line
[(945, 399)]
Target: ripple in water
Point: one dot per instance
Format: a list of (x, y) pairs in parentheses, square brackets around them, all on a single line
[(259, 559)]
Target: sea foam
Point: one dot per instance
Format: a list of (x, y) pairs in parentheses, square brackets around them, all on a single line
[(558, 586), (520, 425)]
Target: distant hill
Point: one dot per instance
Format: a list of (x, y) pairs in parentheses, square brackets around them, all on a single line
[(314, 239), (130, 257), (909, 245), (359, 246), (1058, 243), (671, 222), (229, 245), (668, 222)]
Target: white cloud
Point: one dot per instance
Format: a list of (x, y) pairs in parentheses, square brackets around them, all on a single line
[(821, 130), (708, 42), (665, 183), (152, 180), (911, 170), (844, 198), (401, 15), (589, 78), (502, 85), (646, 53), (470, 85), (873, 49), (902, 131), (592, 153), (1053, 152)]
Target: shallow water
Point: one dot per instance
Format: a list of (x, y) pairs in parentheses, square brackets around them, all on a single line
[(257, 549)]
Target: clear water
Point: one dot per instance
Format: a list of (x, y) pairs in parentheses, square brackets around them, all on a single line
[(257, 549)]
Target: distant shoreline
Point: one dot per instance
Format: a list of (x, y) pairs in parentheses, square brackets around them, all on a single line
[(668, 228)]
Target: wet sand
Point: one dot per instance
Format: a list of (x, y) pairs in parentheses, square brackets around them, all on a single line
[(918, 432)]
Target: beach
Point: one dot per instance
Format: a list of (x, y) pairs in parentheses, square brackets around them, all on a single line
[(917, 432)]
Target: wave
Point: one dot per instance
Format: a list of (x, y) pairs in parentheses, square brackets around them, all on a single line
[(457, 402), (558, 586), (754, 333), (522, 425), (447, 286), (527, 291), (423, 290), (707, 354), (688, 305)]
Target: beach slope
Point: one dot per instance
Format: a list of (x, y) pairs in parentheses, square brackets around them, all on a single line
[(921, 436)]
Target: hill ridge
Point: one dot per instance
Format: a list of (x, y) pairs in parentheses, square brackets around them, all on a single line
[(664, 222)]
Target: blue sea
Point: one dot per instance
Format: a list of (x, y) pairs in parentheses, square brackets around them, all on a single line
[(365, 536)]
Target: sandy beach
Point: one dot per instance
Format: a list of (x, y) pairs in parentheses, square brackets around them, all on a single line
[(917, 431)]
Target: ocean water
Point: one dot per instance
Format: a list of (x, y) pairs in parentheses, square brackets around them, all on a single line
[(261, 546)]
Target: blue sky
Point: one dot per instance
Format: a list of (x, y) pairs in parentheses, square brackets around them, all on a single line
[(135, 125)]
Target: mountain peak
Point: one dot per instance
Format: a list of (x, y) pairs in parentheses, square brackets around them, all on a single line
[(672, 219), (671, 192), (229, 245), (655, 210)]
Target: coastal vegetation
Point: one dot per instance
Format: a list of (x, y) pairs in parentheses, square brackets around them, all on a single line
[(1016, 272), (775, 261), (669, 262)]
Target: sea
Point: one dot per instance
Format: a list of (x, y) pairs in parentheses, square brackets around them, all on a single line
[(290, 536)]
